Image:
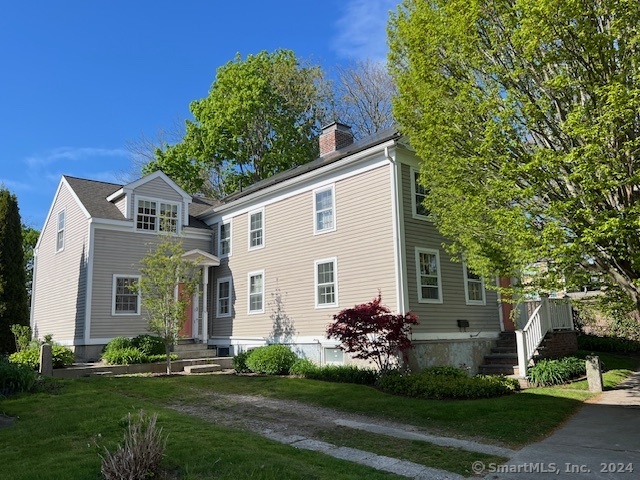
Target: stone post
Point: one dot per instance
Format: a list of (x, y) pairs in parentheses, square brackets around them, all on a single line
[(594, 374), (46, 360)]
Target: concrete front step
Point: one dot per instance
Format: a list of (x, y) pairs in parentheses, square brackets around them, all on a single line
[(489, 369), (501, 359), (206, 368), (507, 349)]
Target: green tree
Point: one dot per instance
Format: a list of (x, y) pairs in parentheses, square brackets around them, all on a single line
[(29, 239), (261, 117), (162, 271), (527, 116), (13, 294)]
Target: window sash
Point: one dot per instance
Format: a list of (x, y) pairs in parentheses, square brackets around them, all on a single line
[(153, 216), (428, 275), (256, 289), (325, 283), (255, 230), (224, 298), (60, 232), (225, 239), (126, 299), (168, 217), (420, 194), (475, 287), (324, 210)]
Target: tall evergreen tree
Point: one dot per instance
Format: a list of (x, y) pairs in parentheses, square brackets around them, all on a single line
[(13, 293)]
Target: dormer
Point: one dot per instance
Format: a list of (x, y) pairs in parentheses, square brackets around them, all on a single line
[(151, 199)]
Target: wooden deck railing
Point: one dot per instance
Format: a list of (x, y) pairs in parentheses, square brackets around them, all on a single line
[(541, 316)]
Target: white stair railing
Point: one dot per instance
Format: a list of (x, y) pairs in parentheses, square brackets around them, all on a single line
[(547, 315)]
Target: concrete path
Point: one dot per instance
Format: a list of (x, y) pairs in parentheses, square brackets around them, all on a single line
[(601, 441)]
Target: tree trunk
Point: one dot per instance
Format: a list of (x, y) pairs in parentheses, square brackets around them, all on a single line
[(167, 351)]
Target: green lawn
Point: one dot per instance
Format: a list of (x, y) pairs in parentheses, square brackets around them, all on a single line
[(59, 434)]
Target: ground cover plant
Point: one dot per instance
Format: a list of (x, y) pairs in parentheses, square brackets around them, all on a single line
[(16, 378), (335, 373), (61, 356), (617, 367), (446, 383)]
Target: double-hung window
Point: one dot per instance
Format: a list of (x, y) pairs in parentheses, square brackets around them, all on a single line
[(256, 292), (224, 239), (126, 298), (418, 194), (324, 207), (223, 308), (256, 229), (154, 216), (473, 288), (326, 283), (60, 230), (428, 276)]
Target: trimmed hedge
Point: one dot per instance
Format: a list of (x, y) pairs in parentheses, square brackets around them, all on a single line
[(607, 344), (148, 344), (446, 384), (556, 372), (271, 360), (341, 374)]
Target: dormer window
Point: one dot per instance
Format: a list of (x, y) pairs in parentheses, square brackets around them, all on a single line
[(155, 216)]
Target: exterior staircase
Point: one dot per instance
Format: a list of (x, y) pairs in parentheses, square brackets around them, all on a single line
[(503, 359), (199, 357)]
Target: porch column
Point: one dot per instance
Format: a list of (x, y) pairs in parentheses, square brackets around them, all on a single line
[(205, 308)]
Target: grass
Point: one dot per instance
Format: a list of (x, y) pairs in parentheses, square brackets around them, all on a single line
[(496, 420), (59, 436), (618, 367), (424, 453)]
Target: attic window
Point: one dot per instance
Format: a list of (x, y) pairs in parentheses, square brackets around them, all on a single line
[(153, 216)]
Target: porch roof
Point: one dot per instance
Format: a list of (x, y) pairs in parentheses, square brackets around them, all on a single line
[(202, 258)]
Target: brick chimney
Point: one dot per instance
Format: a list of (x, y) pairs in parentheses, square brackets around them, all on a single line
[(334, 136)]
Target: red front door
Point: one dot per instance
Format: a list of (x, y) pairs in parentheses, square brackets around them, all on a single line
[(187, 327)]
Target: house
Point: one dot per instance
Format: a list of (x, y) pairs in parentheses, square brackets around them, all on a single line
[(279, 258)]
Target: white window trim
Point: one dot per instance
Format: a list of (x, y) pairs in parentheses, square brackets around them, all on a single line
[(218, 282), (419, 279), (249, 214), (58, 229), (328, 362), (466, 288), (414, 206), (335, 282), (249, 275), (113, 295), (220, 255), (157, 201), (333, 209)]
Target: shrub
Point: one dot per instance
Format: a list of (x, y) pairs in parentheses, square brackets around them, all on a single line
[(148, 344), (556, 372), (302, 367), (141, 454), (344, 374), (595, 343), (118, 343), (437, 386), (373, 333), (61, 356), (240, 362), (159, 358), (123, 356), (22, 333), (446, 371), (271, 360), (16, 378)]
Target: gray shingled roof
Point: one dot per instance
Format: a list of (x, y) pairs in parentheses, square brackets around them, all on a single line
[(368, 142), (93, 195)]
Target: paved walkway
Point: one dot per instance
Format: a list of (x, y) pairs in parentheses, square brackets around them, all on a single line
[(601, 441)]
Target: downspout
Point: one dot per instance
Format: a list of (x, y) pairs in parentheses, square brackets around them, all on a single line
[(398, 238)]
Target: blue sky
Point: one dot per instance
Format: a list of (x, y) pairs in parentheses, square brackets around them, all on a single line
[(80, 79)]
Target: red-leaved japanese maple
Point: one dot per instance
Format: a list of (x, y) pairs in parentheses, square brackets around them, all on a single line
[(373, 333)]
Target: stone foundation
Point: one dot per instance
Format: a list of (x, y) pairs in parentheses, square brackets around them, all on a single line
[(466, 353)]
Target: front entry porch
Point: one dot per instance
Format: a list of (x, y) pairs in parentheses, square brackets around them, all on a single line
[(197, 321)]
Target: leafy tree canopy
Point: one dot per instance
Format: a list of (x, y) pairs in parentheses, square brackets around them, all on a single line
[(261, 117), (527, 116), (13, 294)]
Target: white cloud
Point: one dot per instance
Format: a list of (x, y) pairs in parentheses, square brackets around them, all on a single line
[(71, 154), (363, 30)]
